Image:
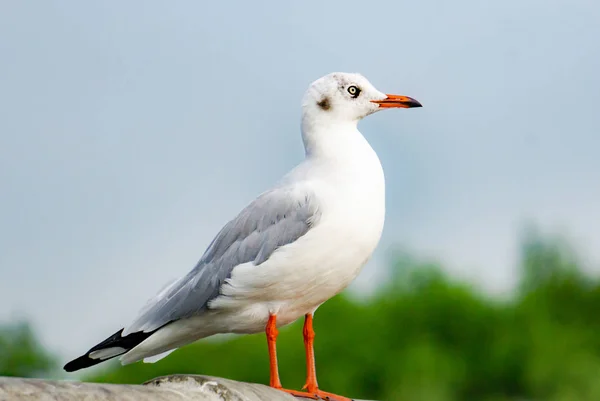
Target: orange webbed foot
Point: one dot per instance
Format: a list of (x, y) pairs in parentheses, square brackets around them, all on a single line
[(316, 395)]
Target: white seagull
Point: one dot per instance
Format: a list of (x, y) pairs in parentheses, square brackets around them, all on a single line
[(290, 250)]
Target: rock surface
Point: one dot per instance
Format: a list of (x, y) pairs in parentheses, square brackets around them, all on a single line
[(167, 388)]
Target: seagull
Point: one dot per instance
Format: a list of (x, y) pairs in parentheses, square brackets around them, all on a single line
[(291, 249)]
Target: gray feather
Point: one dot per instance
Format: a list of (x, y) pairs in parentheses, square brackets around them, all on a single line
[(276, 218)]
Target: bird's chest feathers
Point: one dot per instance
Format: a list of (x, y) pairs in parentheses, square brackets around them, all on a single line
[(358, 199), (359, 219), (353, 214)]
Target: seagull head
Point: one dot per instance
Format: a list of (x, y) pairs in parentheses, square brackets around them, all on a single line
[(348, 97)]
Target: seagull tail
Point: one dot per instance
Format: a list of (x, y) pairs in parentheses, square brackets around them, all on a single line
[(113, 346)]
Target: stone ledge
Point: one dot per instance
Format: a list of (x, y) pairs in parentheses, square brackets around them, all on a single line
[(166, 388)]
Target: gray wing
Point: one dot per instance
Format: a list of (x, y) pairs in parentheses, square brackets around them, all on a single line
[(274, 219)]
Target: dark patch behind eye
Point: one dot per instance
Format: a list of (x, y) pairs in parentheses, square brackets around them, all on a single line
[(324, 103)]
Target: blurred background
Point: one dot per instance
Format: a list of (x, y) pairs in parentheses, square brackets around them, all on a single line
[(130, 132)]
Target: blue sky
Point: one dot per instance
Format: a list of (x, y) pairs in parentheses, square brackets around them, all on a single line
[(130, 132)]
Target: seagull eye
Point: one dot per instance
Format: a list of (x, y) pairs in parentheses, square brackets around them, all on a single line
[(354, 91)]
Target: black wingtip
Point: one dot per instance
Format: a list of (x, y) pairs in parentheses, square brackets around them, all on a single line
[(128, 342), (82, 362)]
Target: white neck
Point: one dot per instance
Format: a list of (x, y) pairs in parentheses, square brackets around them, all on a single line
[(331, 138)]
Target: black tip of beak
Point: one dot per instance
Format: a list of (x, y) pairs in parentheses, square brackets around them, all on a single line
[(413, 103)]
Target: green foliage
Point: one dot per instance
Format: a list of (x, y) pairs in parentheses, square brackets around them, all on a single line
[(21, 354), (424, 336)]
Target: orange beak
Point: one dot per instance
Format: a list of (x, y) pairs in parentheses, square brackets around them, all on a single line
[(403, 102)]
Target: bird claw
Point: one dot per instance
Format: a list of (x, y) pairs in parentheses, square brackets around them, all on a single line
[(316, 395), (323, 395)]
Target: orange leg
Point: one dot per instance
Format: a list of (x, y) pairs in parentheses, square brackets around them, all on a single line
[(311, 385), (309, 338), (272, 333)]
